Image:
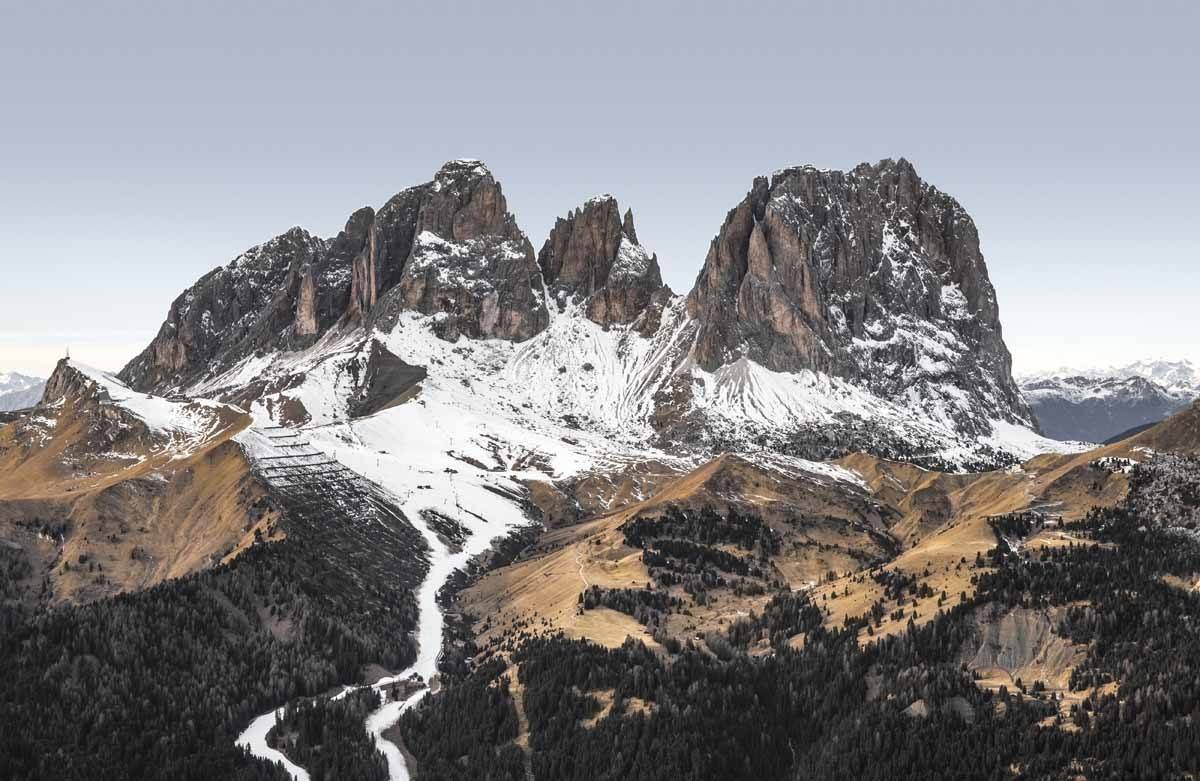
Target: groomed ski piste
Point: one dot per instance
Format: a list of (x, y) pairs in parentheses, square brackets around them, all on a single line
[(459, 449)]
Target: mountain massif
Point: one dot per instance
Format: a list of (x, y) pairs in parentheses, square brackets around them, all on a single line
[(19, 391), (835, 311), (421, 501)]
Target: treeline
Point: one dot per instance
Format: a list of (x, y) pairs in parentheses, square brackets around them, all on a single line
[(853, 434), (641, 603), (466, 732), (1016, 526), (706, 527), (680, 548)]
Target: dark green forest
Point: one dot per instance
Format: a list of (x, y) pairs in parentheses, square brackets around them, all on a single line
[(837, 710), (158, 684)]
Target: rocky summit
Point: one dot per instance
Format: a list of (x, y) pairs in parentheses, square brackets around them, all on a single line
[(592, 256), (448, 248), (873, 276)]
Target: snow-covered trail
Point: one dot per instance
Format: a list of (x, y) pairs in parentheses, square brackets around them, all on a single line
[(415, 467), (255, 738), (430, 626)]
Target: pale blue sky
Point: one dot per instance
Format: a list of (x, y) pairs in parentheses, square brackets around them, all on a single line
[(142, 144)]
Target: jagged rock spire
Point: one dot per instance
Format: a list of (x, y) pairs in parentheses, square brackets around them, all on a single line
[(593, 256)]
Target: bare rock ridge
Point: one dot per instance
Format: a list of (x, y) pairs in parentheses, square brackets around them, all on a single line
[(469, 262), (447, 247), (593, 256), (871, 275)]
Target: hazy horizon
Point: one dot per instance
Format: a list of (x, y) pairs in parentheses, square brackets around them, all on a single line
[(146, 144)]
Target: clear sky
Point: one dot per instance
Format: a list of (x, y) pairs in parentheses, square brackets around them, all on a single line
[(142, 144)]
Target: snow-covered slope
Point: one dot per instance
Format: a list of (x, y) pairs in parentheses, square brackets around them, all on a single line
[(578, 394), (121, 423)]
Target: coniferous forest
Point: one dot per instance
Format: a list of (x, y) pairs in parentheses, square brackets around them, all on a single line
[(159, 683), (838, 709)]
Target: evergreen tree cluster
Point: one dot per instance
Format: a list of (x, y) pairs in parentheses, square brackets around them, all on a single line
[(833, 708), (158, 684), (328, 739)]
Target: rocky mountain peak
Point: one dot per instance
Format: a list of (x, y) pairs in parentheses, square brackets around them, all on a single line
[(66, 381), (593, 256), (448, 247), (627, 227), (465, 202), (19, 391), (873, 276)]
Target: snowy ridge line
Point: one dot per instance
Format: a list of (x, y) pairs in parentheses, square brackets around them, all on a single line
[(181, 425)]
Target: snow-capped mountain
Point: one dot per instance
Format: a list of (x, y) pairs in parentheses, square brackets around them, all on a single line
[(18, 391), (1097, 404), (835, 311)]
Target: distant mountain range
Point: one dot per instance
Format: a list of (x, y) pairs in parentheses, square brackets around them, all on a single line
[(1095, 405), (18, 391)]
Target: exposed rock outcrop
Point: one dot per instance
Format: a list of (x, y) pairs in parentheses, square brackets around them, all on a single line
[(873, 276), (448, 248), (470, 263), (234, 311), (593, 256)]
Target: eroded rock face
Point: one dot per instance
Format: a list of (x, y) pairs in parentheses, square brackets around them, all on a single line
[(469, 262), (249, 305), (593, 256), (448, 247), (871, 275)]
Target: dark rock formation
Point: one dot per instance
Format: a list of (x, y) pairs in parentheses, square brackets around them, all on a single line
[(873, 276), (381, 380), (469, 262), (593, 256), (247, 306), (448, 247)]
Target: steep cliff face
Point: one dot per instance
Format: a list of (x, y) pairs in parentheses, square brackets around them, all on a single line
[(448, 248), (593, 257), (247, 306), (872, 276), (464, 260)]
